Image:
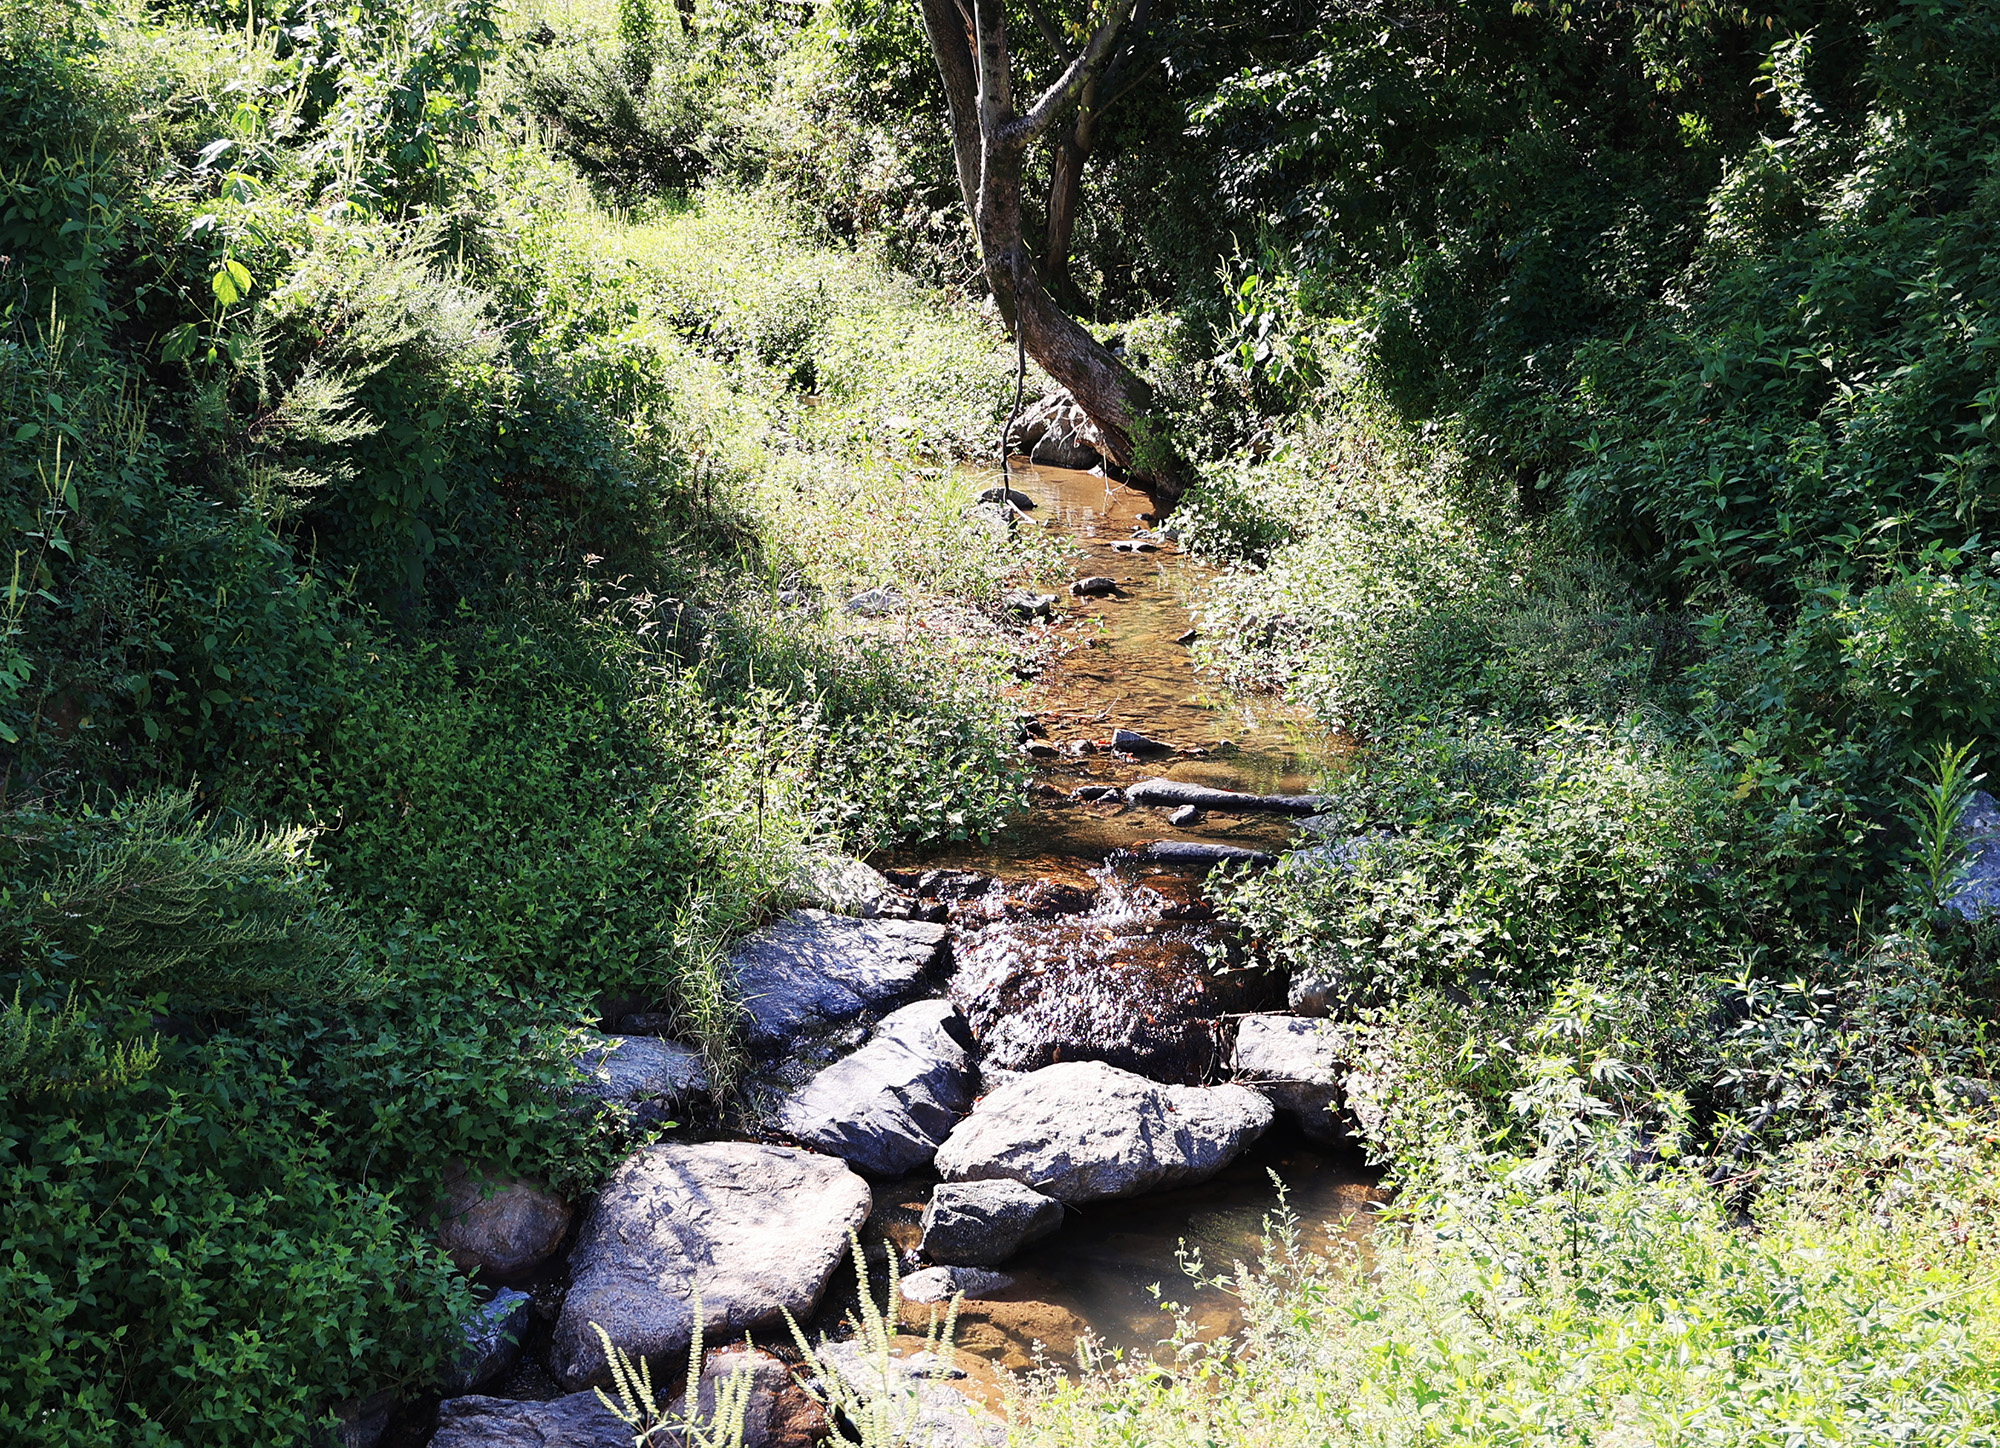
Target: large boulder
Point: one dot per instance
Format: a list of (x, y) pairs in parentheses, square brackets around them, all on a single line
[(1298, 1065), (654, 1077), (1057, 432), (497, 1225), (750, 1229), (813, 969), (1081, 1130), (578, 1421), (982, 1224), (886, 1107)]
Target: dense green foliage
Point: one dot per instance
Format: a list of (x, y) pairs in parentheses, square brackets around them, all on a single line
[(435, 436), (394, 666)]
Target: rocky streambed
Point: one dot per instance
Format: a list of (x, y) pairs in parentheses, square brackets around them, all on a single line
[(1031, 1071)]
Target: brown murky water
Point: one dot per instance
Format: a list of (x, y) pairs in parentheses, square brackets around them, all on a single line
[(1082, 952)]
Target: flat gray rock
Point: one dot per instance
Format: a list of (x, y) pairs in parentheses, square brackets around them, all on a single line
[(812, 969), (886, 1107), (643, 1071), (1081, 1130), (750, 1228), (1298, 1065), (577, 1421), (1201, 796), (941, 1284), (982, 1224), (1202, 854)]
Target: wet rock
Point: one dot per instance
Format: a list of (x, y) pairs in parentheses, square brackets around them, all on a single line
[(1979, 884), (1045, 899), (1115, 983), (577, 1421), (1093, 587), (1036, 749), (655, 1077), (1179, 792), (982, 1224), (1202, 854), (1135, 546), (1030, 605), (842, 885), (1187, 638), (1009, 496), (497, 1225), (1057, 432), (941, 1284), (1131, 741), (1298, 1066), (876, 603), (1081, 1131), (751, 1228), (492, 1341), (886, 1107), (811, 969), (920, 1408), (1186, 815), (953, 884), (1093, 792)]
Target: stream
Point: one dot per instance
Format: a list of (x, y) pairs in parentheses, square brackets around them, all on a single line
[(1078, 950)]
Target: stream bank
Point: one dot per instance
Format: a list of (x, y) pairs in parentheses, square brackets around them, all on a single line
[(1056, 1011)]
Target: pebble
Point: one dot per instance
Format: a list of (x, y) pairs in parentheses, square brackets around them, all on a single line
[(1130, 741)]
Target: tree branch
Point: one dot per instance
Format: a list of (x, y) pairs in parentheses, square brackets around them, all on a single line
[(1062, 94), (1047, 26)]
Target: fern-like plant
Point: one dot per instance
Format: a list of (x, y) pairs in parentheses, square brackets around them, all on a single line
[(62, 1053), (154, 896), (653, 1426), (893, 1416)]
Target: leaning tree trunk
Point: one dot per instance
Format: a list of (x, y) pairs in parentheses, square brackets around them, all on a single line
[(990, 141)]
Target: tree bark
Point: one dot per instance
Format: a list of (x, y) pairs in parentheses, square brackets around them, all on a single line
[(990, 141)]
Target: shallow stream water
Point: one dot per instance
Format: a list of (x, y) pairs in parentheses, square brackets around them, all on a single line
[(1082, 952)]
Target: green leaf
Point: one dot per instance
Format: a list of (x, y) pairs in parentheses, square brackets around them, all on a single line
[(232, 282)]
